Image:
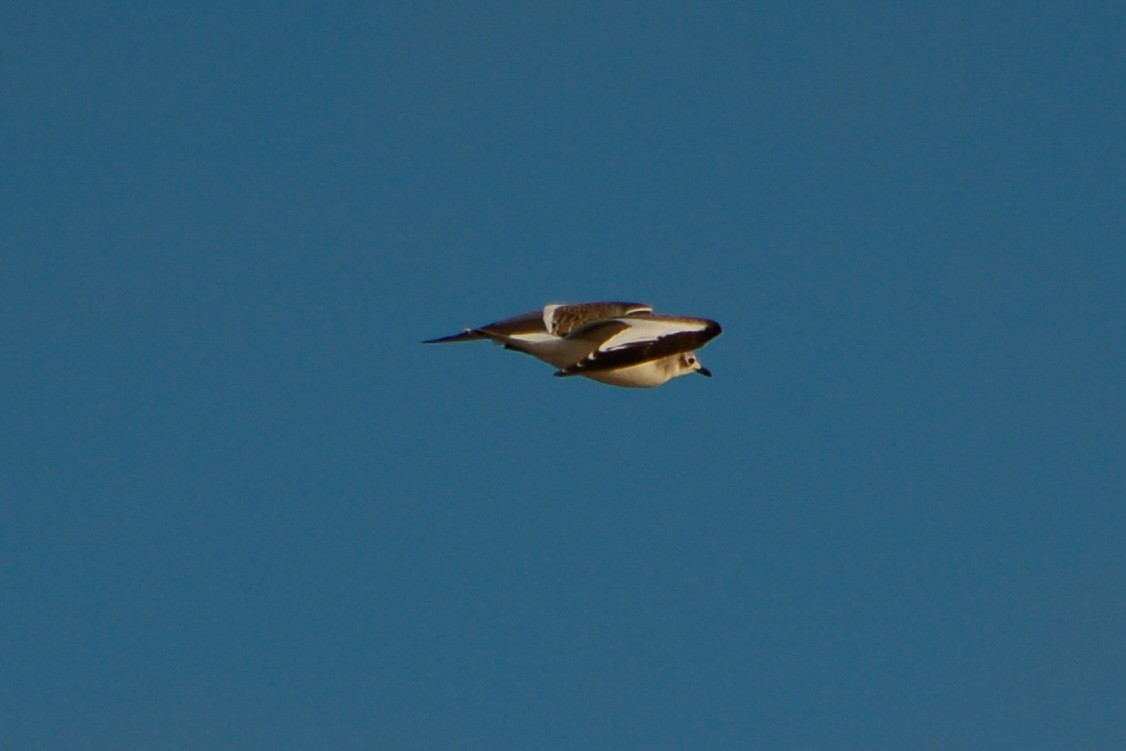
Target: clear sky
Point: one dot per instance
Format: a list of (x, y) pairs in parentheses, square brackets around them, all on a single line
[(243, 508)]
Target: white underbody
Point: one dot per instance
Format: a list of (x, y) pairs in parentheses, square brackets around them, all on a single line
[(645, 376), (562, 353)]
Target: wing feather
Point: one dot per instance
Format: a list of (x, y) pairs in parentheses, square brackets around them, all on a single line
[(561, 320)]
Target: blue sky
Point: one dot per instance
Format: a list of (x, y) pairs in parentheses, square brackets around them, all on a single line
[(243, 507)]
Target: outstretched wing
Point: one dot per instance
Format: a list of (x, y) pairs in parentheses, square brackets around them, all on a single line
[(528, 324), (554, 321), (644, 338)]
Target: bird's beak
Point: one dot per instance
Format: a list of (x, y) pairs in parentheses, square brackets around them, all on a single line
[(704, 371)]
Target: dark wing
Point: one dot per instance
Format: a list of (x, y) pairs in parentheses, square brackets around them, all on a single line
[(646, 338)]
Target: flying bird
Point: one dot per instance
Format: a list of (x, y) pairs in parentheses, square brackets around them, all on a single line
[(618, 343)]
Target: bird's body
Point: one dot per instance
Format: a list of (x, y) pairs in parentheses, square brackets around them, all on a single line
[(617, 343), (645, 375)]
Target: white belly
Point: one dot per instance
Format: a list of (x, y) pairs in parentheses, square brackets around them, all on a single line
[(646, 375)]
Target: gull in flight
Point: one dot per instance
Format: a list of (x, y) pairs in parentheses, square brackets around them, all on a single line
[(619, 343)]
